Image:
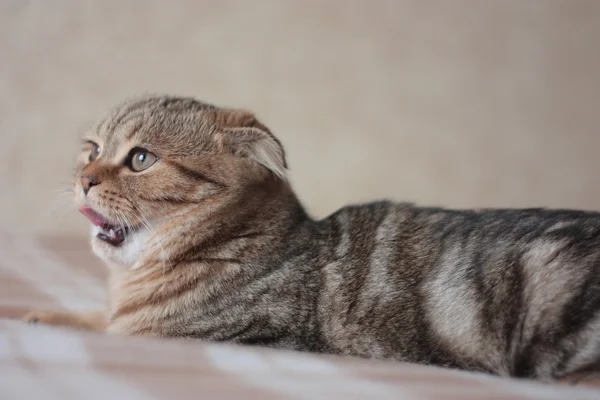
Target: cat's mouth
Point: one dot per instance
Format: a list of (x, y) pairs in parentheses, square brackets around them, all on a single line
[(111, 233)]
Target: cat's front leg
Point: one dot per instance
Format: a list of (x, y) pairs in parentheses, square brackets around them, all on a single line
[(93, 320)]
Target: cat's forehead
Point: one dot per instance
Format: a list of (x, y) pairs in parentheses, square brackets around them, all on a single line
[(160, 123)]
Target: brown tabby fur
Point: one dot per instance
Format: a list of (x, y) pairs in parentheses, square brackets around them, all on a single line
[(224, 251)]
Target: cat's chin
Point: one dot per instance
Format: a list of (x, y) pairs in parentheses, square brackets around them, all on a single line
[(121, 253)]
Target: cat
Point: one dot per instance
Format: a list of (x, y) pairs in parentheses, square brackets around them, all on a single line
[(204, 237)]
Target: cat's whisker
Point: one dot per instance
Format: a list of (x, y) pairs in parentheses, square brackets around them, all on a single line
[(122, 220), (61, 200), (125, 222), (164, 254), (61, 191), (57, 210)]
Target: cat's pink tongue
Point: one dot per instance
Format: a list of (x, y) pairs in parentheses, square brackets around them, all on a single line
[(94, 217)]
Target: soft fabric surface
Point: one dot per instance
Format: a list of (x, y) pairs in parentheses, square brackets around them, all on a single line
[(50, 363)]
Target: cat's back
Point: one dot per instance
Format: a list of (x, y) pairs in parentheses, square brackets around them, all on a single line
[(357, 229), (453, 287)]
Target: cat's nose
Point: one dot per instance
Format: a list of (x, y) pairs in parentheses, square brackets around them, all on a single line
[(87, 182)]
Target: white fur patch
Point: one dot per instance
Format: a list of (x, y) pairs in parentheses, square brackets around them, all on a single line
[(127, 255), (588, 342), (548, 284), (454, 312)]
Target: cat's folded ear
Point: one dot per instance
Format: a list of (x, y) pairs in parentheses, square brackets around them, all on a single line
[(243, 135)]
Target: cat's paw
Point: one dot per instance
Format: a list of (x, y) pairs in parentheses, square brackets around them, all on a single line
[(95, 320), (44, 317)]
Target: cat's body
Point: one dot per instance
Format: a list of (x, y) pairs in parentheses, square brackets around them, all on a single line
[(219, 248)]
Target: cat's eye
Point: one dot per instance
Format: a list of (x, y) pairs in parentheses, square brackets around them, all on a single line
[(94, 152), (141, 159)]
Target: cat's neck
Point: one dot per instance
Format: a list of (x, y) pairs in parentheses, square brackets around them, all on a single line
[(209, 247)]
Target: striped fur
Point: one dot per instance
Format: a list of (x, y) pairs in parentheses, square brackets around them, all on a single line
[(222, 250)]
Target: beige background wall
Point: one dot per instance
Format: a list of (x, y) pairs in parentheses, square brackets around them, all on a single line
[(458, 103)]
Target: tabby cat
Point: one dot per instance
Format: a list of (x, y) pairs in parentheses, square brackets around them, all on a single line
[(190, 207)]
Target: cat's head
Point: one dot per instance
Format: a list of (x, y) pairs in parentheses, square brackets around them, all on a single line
[(158, 158)]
